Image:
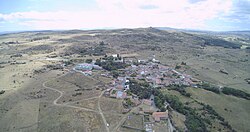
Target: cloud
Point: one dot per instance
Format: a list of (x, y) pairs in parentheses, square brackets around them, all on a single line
[(124, 13), (240, 12), (195, 1), (149, 7)]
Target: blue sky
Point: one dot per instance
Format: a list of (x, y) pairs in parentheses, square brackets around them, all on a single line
[(217, 15)]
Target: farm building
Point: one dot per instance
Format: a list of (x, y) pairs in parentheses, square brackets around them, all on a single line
[(147, 102), (84, 67), (121, 94), (87, 67), (158, 116)]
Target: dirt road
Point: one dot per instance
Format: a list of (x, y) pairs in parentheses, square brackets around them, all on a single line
[(77, 107)]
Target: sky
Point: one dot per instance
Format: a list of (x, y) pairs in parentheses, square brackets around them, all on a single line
[(215, 15)]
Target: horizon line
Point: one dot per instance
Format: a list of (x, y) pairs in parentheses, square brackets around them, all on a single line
[(113, 28)]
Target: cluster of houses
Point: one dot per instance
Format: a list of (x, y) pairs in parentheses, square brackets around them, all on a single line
[(118, 88), (159, 75), (156, 74)]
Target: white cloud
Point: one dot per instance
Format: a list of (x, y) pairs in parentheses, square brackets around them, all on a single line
[(124, 13)]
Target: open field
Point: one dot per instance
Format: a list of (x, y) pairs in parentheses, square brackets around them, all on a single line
[(233, 109), (90, 103), (178, 120), (73, 84), (134, 121), (111, 105), (113, 119), (199, 96), (20, 111)]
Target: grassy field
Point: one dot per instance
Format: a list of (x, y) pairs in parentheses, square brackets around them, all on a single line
[(87, 103), (111, 105), (178, 120), (134, 121), (195, 103), (72, 82), (20, 110), (234, 110), (113, 119)]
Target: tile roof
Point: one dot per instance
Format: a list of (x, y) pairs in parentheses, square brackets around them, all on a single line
[(160, 115)]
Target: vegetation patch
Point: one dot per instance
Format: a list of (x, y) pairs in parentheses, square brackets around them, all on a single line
[(39, 38), (180, 89), (208, 87), (236, 92), (2, 92), (111, 65), (219, 42), (139, 90)]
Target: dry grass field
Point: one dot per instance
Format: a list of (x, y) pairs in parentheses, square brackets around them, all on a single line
[(111, 105)]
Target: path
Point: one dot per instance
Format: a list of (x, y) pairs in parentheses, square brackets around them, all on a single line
[(100, 111), (77, 107), (124, 119)]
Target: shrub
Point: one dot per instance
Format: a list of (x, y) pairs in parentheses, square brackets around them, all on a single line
[(2, 92)]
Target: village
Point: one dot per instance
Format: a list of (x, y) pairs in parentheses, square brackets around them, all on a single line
[(150, 72)]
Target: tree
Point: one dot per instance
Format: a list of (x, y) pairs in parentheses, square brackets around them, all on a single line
[(2, 92), (102, 43), (177, 67), (115, 74), (88, 60), (183, 63), (98, 62)]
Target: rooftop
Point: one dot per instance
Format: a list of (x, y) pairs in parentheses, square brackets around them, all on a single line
[(160, 115)]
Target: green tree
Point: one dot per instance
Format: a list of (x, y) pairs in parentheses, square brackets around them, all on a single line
[(88, 60)]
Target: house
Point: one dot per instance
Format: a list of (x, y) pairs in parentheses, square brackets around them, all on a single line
[(167, 82), (124, 111), (119, 87), (120, 78), (147, 102), (155, 61), (106, 93), (96, 67), (195, 80), (141, 61), (149, 127), (115, 55), (135, 101), (121, 94), (158, 116), (158, 81), (148, 111)]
